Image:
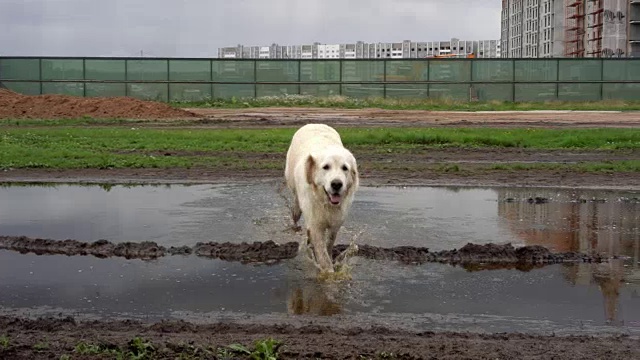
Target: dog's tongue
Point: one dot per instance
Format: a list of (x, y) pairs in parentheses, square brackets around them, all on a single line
[(334, 198)]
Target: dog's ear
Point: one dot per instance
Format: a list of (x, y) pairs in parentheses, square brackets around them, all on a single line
[(354, 173), (354, 167), (310, 168)]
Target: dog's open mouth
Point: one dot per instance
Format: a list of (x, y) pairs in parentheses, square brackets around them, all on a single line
[(334, 199)]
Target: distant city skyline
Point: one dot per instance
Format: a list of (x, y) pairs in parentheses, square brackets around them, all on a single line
[(406, 49), (197, 28)]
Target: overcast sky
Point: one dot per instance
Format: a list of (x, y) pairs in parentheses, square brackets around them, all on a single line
[(196, 28)]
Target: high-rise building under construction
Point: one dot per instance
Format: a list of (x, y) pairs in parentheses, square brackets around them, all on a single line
[(570, 28)]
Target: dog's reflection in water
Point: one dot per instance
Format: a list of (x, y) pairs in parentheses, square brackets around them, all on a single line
[(312, 298), (309, 295)]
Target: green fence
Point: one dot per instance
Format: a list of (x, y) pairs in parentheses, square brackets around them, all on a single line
[(175, 79)]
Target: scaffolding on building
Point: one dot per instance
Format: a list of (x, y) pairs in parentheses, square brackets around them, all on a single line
[(595, 28), (634, 28), (574, 28)]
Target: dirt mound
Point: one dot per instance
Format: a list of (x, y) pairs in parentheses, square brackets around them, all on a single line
[(471, 256), (18, 106)]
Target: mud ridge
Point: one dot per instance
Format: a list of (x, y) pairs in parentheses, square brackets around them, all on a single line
[(257, 252), (470, 256), (100, 248), (473, 254)]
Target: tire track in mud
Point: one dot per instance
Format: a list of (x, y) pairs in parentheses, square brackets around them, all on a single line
[(471, 256)]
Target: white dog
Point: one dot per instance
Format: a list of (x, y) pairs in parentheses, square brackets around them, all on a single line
[(323, 177)]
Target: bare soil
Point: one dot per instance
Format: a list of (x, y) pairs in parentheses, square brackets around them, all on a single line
[(19, 106), (278, 117), (49, 338), (391, 176)]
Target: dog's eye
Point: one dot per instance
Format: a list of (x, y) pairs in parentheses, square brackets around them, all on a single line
[(344, 168), (326, 167)]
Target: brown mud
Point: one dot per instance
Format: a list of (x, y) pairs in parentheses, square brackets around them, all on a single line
[(269, 252), (50, 338)]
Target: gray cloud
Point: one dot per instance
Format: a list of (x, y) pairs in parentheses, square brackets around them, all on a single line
[(198, 27)]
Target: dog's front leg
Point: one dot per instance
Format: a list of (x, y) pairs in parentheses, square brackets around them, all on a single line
[(333, 235), (323, 258), (296, 211)]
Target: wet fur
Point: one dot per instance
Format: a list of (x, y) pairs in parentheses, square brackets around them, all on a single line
[(312, 146)]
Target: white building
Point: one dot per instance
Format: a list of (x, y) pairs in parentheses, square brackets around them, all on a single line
[(328, 51), (361, 50)]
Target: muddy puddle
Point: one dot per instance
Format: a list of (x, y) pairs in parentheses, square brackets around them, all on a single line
[(437, 218), (577, 298), (572, 297)]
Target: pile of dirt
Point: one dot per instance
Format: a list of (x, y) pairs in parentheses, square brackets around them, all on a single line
[(19, 106), (469, 256)]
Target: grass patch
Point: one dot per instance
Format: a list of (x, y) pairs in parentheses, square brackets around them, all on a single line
[(72, 122), (106, 148), (604, 166), (342, 102), (470, 169)]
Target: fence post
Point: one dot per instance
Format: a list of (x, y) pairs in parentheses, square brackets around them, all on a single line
[(84, 77), (255, 79), (513, 80), (601, 78), (299, 76), (126, 77), (211, 78), (471, 80), (557, 79), (168, 80), (340, 78), (428, 78), (40, 75), (384, 79)]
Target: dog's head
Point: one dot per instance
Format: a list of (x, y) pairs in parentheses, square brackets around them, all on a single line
[(335, 172)]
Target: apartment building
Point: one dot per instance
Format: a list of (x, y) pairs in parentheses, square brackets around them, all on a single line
[(570, 28), (406, 49)]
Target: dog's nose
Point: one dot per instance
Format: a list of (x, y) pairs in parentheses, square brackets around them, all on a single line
[(336, 185)]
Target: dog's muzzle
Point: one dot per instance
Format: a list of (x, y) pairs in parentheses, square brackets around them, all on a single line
[(334, 194)]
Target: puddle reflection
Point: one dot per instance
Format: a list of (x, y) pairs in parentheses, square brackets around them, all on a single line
[(581, 221)]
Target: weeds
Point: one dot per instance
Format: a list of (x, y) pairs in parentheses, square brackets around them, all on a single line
[(41, 346), (4, 342), (264, 349), (139, 349)]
